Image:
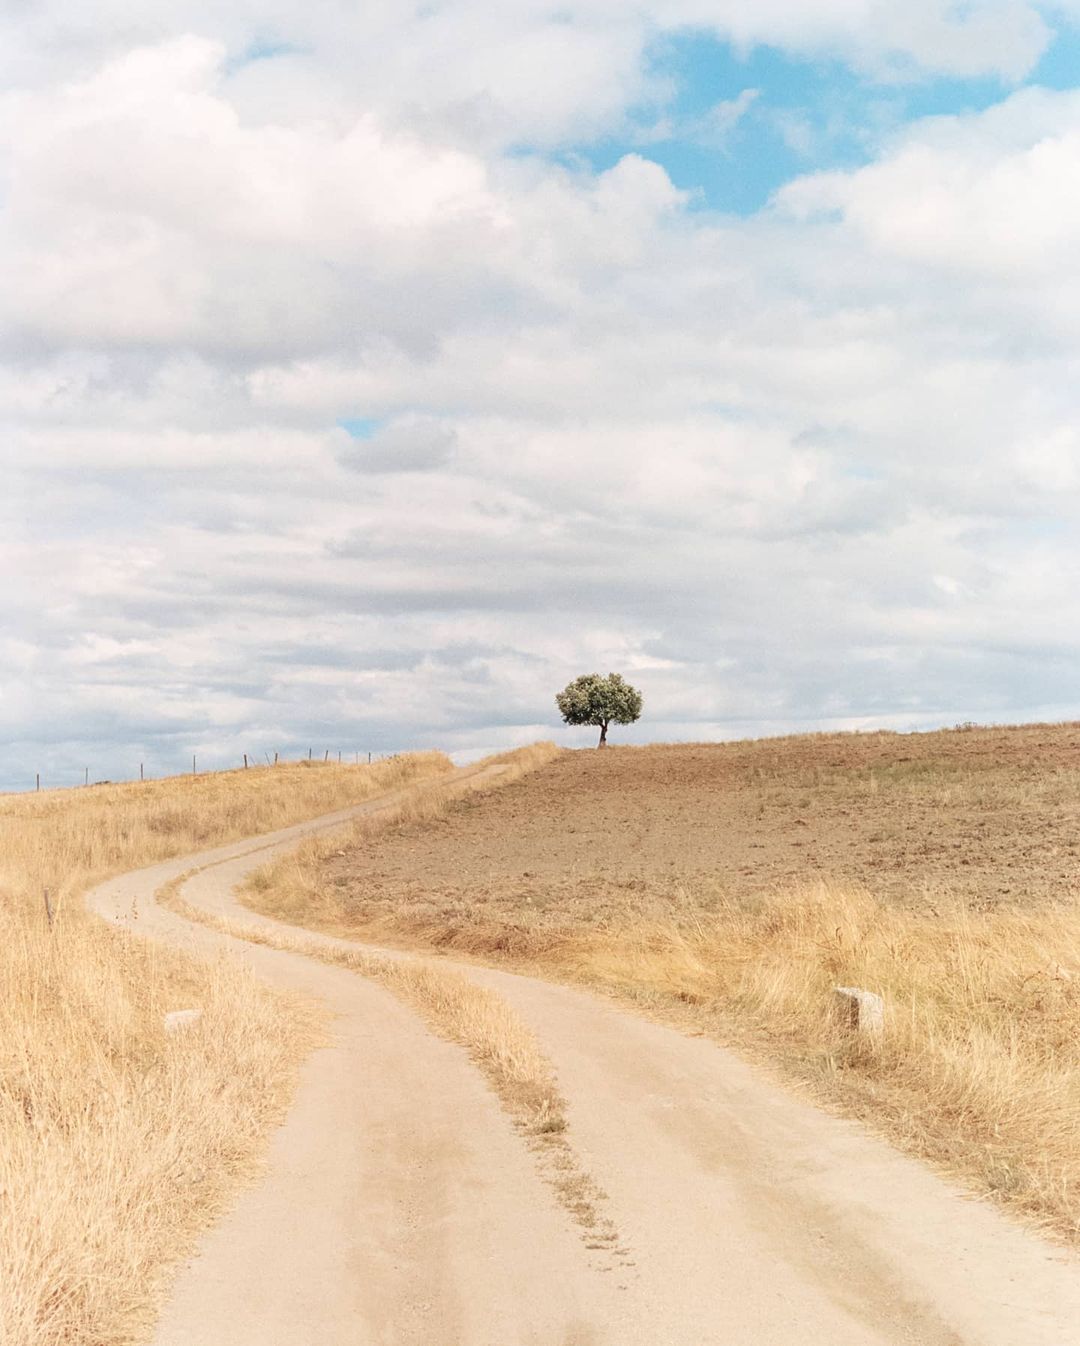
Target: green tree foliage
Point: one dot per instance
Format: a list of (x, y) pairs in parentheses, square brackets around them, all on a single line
[(593, 699)]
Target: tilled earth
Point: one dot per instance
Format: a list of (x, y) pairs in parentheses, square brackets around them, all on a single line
[(989, 816)]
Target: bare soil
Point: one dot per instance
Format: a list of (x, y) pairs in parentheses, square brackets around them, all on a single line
[(987, 816)]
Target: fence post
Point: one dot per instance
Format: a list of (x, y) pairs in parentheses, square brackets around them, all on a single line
[(275, 759), (245, 761), (37, 779), (142, 774), (86, 775), (194, 772)]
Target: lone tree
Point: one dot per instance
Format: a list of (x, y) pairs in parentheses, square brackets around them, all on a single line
[(592, 699)]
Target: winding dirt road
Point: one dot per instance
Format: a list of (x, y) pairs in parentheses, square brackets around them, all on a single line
[(401, 1208)]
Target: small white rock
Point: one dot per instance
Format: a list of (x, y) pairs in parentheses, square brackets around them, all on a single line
[(180, 1019), (863, 1010)]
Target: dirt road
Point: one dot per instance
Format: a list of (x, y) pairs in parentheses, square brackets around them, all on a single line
[(401, 1208)]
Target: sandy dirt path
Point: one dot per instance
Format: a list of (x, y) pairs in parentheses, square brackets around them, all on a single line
[(401, 1208)]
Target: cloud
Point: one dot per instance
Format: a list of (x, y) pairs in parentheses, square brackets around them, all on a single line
[(141, 182), (711, 129), (889, 41), (996, 193), (409, 443), (512, 73), (816, 465)]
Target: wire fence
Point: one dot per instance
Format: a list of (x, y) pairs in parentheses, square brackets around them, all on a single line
[(338, 756)]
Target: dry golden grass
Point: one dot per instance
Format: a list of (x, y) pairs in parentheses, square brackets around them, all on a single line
[(425, 806), (65, 840), (116, 1142), (977, 1068)]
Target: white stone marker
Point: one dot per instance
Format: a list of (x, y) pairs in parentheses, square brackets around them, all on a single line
[(864, 1010), (180, 1019)]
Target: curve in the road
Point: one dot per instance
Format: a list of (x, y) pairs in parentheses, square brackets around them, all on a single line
[(401, 1208)]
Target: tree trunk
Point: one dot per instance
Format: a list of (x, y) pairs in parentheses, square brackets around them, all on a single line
[(603, 735)]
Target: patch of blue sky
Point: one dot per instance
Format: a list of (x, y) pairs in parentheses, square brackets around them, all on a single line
[(1060, 65), (262, 49), (360, 427), (741, 124), (864, 472), (728, 411)]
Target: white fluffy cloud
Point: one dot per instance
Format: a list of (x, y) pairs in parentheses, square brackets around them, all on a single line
[(815, 465), (996, 195), (140, 184), (521, 70)]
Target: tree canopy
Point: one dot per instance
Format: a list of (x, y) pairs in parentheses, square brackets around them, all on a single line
[(594, 699)]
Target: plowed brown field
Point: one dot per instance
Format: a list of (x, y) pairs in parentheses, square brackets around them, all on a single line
[(987, 816)]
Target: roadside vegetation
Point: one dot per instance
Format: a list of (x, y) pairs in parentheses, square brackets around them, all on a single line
[(732, 887), (118, 1142)]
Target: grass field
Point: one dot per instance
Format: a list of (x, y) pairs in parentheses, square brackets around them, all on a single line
[(732, 886), (118, 1143)]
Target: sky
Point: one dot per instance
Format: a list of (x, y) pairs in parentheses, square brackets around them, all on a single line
[(368, 372)]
